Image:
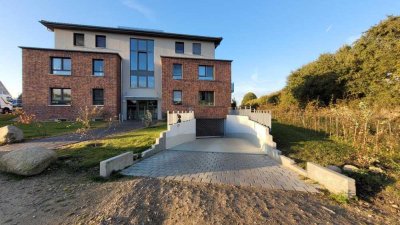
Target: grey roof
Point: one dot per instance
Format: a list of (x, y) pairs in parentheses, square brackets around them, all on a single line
[(130, 31), (3, 89)]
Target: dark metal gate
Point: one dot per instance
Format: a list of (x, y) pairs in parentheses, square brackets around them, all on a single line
[(209, 127)]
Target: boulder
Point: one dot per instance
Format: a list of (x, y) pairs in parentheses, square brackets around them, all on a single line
[(27, 162), (10, 134), (350, 168), (334, 168)]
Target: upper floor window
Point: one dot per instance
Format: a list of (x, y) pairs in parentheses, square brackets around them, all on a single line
[(177, 73), (142, 63), (196, 49), (61, 66), (98, 96), (60, 96), (100, 41), (206, 72), (177, 97), (206, 98), (179, 47), (79, 39), (98, 67)]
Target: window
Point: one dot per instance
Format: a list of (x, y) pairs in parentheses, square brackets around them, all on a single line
[(98, 96), (61, 66), (177, 98), (142, 63), (206, 98), (179, 47), (177, 73), (206, 73), (196, 49), (100, 41), (98, 67), (60, 96), (79, 39)]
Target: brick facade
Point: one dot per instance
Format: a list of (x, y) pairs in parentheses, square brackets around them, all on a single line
[(190, 86), (37, 81)]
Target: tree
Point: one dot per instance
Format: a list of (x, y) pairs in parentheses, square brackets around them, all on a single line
[(247, 97)]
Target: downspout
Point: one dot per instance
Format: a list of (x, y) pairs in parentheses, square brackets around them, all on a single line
[(121, 100)]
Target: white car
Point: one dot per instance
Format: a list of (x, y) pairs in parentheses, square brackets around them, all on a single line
[(6, 103)]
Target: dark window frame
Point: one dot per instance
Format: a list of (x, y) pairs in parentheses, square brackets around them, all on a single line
[(97, 41), (62, 66), (173, 71), (193, 49), (62, 101), (93, 68), (204, 77), (97, 102), (204, 102), (76, 35), (173, 97), (137, 74), (177, 51)]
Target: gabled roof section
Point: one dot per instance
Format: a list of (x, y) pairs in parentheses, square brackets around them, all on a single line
[(130, 31)]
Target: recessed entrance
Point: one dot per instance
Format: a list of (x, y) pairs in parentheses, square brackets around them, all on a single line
[(136, 109)]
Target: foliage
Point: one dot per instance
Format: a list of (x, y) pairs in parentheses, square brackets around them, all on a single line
[(90, 153), (247, 97)]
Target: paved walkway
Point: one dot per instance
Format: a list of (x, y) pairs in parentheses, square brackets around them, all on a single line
[(58, 141), (216, 167)]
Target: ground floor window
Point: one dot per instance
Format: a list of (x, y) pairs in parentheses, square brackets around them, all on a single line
[(98, 96), (206, 98), (60, 96), (177, 97)]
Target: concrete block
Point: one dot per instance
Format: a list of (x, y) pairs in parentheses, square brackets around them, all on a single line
[(298, 169), (333, 181), (116, 163)]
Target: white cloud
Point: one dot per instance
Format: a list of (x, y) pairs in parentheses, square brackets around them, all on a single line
[(328, 28), (140, 8)]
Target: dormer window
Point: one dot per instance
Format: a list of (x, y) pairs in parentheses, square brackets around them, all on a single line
[(179, 47), (79, 39)]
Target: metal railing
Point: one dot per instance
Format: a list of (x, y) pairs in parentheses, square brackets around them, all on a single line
[(179, 116), (260, 116)]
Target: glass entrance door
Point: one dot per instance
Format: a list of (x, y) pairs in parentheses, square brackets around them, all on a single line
[(137, 109)]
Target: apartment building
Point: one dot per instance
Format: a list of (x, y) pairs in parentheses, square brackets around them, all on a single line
[(126, 71)]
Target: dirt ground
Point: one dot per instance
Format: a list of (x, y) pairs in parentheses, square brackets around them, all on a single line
[(64, 197)]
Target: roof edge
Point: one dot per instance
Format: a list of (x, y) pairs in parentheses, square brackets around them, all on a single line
[(70, 50), (193, 58)]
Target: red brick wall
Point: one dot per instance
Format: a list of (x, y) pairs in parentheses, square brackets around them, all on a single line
[(37, 81), (190, 86)]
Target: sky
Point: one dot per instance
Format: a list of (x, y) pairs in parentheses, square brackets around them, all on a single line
[(265, 39)]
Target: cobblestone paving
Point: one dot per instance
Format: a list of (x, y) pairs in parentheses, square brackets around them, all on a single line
[(211, 167)]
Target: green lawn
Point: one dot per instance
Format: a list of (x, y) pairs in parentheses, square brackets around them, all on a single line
[(44, 129), (89, 154)]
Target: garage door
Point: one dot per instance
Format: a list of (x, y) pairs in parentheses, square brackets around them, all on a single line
[(209, 127)]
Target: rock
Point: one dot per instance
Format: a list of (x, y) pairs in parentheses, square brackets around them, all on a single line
[(395, 206), (334, 168), (10, 134), (350, 168), (375, 169), (27, 162)]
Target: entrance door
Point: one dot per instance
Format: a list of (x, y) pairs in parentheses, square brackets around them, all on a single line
[(137, 109)]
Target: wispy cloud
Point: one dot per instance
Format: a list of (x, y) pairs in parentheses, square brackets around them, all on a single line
[(140, 8), (328, 28)]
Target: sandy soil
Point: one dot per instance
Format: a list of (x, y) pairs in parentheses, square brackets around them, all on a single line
[(61, 197)]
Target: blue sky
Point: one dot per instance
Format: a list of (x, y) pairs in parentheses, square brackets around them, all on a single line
[(266, 39)]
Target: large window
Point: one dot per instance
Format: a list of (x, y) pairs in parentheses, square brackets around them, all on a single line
[(177, 98), (206, 98), (206, 73), (60, 96), (142, 63), (98, 67), (100, 41), (196, 49), (179, 47), (98, 96), (177, 73), (79, 39), (61, 66)]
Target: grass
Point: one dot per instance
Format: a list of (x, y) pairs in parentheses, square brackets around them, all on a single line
[(44, 129), (88, 154), (304, 145)]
